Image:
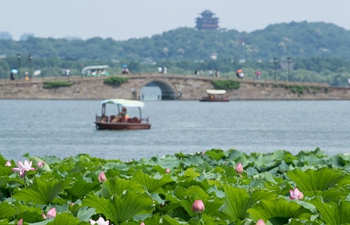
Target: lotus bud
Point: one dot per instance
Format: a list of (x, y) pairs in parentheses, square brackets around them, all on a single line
[(198, 206), (40, 164), (167, 170), (239, 168), (8, 163), (142, 223), (260, 222), (296, 194), (50, 214), (102, 177), (20, 222)]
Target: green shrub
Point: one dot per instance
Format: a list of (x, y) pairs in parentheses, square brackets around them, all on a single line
[(297, 89), (115, 81), (226, 84), (56, 84)]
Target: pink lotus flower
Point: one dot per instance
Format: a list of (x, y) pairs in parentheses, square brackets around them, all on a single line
[(20, 222), (239, 168), (296, 194), (260, 222), (142, 223), (50, 214), (100, 221), (22, 168), (8, 163), (198, 206), (167, 170), (102, 177)]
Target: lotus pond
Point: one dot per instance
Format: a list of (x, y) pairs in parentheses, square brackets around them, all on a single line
[(211, 187)]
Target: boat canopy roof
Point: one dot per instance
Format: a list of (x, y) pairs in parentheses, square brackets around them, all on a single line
[(216, 92), (124, 102), (98, 67)]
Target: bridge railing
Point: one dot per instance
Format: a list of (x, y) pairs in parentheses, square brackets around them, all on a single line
[(159, 75)]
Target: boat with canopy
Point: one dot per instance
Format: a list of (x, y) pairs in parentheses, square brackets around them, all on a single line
[(119, 118), (215, 96)]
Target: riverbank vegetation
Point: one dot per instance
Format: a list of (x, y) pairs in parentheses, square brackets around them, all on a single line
[(211, 187), (115, 81), (56, 84), (301, 52)]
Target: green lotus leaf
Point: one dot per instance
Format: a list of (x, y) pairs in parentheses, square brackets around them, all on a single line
[(7, 210), (65, 219), (333, 214), (265, 162), (215, 154), (80, 188), (167, 220), (2, 160), (120, 208), (116, 165), (29, 213), (331, 195), (3, 181), (279, 211), (156, 197), (47, 159), (118, 186), (212, 208), (192, 160), (5, 171), (188, 196), (169, 162), (84, 214), (191, 173), (237, 156), (196, 191), (310, 158), (150, 183), (42, 191), (212, 220), (218, 193), (238, 201), (321, 179), (341, 160)]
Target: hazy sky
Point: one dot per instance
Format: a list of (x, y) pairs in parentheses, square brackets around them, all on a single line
[(122, 20)]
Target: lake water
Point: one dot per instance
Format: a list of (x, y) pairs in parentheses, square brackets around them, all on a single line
[(65, 128)]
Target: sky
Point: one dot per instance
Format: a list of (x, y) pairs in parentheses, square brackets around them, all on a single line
[(122, 20)]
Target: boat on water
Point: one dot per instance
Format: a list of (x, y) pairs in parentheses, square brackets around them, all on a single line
[(119, 118), (215, 96)]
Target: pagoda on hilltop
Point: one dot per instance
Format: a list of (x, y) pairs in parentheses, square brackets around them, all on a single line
[(207, 21)]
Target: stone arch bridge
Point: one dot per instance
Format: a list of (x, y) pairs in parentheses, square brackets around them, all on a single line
[(173, 87)]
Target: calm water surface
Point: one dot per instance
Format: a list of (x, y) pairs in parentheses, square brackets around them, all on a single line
[(65, 128)]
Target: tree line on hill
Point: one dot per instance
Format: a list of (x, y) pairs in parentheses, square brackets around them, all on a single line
[(318, 52)]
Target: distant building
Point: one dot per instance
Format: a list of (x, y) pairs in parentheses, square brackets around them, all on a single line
[(5, 36), (25, 36), (207, 21)]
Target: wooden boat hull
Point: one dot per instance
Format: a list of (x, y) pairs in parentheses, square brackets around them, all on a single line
[(214, 100), (122, 126)]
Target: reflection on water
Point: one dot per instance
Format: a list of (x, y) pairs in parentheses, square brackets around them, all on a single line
[(65, 128)]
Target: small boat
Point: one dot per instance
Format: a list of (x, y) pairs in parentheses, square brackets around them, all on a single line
[(215, 96), (120, 120)]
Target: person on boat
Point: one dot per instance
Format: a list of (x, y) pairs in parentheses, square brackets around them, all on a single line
[(124, 115)]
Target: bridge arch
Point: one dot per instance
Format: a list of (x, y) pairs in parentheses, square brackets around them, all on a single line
[(168, 90)]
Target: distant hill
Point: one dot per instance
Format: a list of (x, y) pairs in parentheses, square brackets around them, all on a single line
[(295, 39)]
